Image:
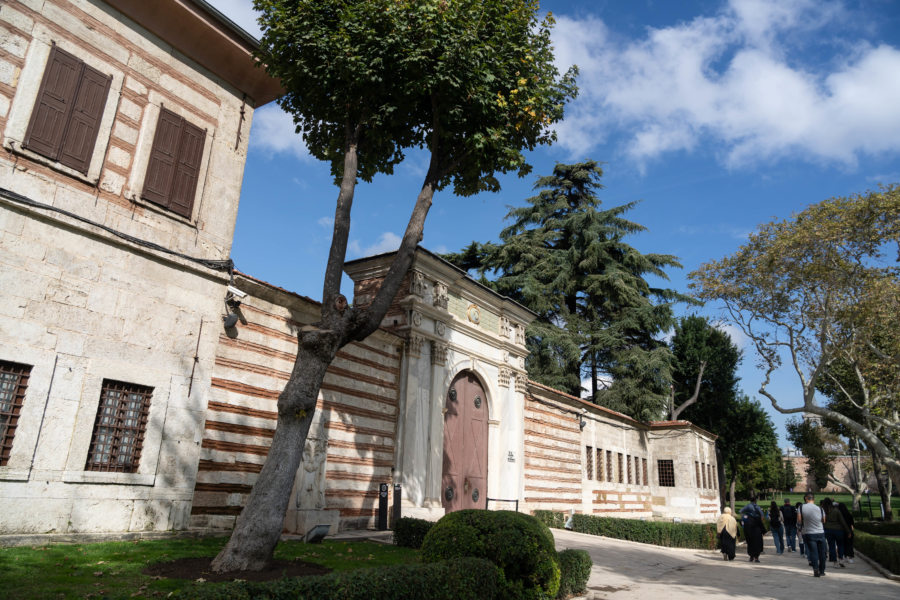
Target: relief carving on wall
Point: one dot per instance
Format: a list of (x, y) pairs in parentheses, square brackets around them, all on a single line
[(311, 494), (520, 383), (440, 328), (505, 327), (414, 345), (441, 295), (417, 284), (505, 374), (520, 334), (439, 353), (416, 318)]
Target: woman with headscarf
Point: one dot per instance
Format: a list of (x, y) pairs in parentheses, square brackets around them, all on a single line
[(726, 527), (754, 528)]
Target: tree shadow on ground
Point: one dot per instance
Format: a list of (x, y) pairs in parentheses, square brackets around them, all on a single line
[(198, 568)]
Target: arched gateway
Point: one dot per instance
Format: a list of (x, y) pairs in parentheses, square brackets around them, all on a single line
[(464, 473)]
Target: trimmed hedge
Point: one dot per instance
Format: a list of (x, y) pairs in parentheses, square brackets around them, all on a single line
[(456, 579), (574, 572), (662, 533), (883, 551), (878, 527), (520, 545), (410, 533)]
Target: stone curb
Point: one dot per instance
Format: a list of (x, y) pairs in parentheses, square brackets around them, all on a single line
[(887, 574)]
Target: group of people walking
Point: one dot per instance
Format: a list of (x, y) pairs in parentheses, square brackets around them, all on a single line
[(829, 523)]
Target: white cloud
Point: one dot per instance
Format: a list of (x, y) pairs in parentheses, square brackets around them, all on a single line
[(326, 222), (738, 337), (735, 80), (387, 242), (273, 132)]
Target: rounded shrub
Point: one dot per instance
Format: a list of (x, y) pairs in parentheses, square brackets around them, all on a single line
[(409, 532), (520, 545), (574, 572)]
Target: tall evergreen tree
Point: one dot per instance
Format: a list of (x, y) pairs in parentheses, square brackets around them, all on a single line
[(566, 259)]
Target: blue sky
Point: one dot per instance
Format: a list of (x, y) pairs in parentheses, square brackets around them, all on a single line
[(716, 115)]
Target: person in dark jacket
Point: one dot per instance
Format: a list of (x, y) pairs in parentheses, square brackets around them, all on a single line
[(754, 526), (789, 520), (848, 541), (836, 530), (799, 534), (777, 528)]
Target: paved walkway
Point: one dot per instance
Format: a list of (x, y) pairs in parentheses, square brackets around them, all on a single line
[(628, 570)]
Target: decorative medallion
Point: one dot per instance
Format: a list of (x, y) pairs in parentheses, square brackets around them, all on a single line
[(473, 314), (477, 401), (452, 394), (440, 328), (448, 494), (416, 318), (475, 495)]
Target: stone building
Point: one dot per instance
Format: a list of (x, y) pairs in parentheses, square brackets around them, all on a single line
[(139, 374), (124, 129)]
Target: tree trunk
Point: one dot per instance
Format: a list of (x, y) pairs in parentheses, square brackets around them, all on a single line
[(731, 493), (259, 525), (884, 490), (720, 472)]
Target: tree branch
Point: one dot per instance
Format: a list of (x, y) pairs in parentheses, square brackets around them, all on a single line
[(676, 412)]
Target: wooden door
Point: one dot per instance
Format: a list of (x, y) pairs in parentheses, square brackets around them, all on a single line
[(464, 478)]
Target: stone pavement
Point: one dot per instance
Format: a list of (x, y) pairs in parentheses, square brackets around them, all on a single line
[(628, 570)]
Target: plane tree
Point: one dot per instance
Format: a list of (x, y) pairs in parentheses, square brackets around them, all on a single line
[(472, 83), (821, 291)]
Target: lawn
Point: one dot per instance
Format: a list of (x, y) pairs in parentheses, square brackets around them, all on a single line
[(113, 569), (846, 499)]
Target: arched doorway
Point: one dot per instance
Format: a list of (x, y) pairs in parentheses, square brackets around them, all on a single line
[(464, 475)]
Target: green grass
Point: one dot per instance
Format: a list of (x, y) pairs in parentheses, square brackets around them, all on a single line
[(846, 499), (113, 569)]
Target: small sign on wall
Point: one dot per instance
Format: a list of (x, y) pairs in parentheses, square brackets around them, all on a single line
[(511, 456)]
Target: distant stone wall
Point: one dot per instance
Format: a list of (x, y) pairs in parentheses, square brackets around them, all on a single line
[(355, 421), (610, 466)]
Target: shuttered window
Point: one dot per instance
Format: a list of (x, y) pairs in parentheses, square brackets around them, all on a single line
[(174, 166), (119, 428), (66, 115), (13, 381)]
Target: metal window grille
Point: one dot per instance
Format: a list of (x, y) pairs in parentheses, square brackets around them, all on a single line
[(13, 381), (119, 427), (697, 469), (589, 462), (637, 470), (628, 462), (609, 466), (644, 469), (619, 464), (665, 470), (709, 478), (599, 464), (703, 471)]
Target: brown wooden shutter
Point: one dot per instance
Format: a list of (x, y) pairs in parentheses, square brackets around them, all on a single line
[(163, 155), (53, 105), (84, 124), (174, 167), (187, 170)]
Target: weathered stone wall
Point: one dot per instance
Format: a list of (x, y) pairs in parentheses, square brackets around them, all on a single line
[(80, 304), (355, 422), (609, 466)]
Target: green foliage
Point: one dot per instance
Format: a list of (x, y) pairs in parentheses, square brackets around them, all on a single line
[(660, 533), (885, 552), (878, 527), (568, 260), (410, 533), (520, 545), (574, 572), (472, 80), (458, 578), (807, 437), (753, 443)]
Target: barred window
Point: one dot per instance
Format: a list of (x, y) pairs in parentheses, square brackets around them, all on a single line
[(13, 381), (665, 470), (704, 472), (637, 470), (599, 464), (628, 462), (609, 466), (644, 469), (119, 427), (589, 462), (621, 473), (697, 469), (710, 478)]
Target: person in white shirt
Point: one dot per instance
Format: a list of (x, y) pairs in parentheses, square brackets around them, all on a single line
[(811, 520)]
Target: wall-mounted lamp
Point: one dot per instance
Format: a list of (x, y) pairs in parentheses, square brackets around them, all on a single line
[(581, 421), (232, 306)]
